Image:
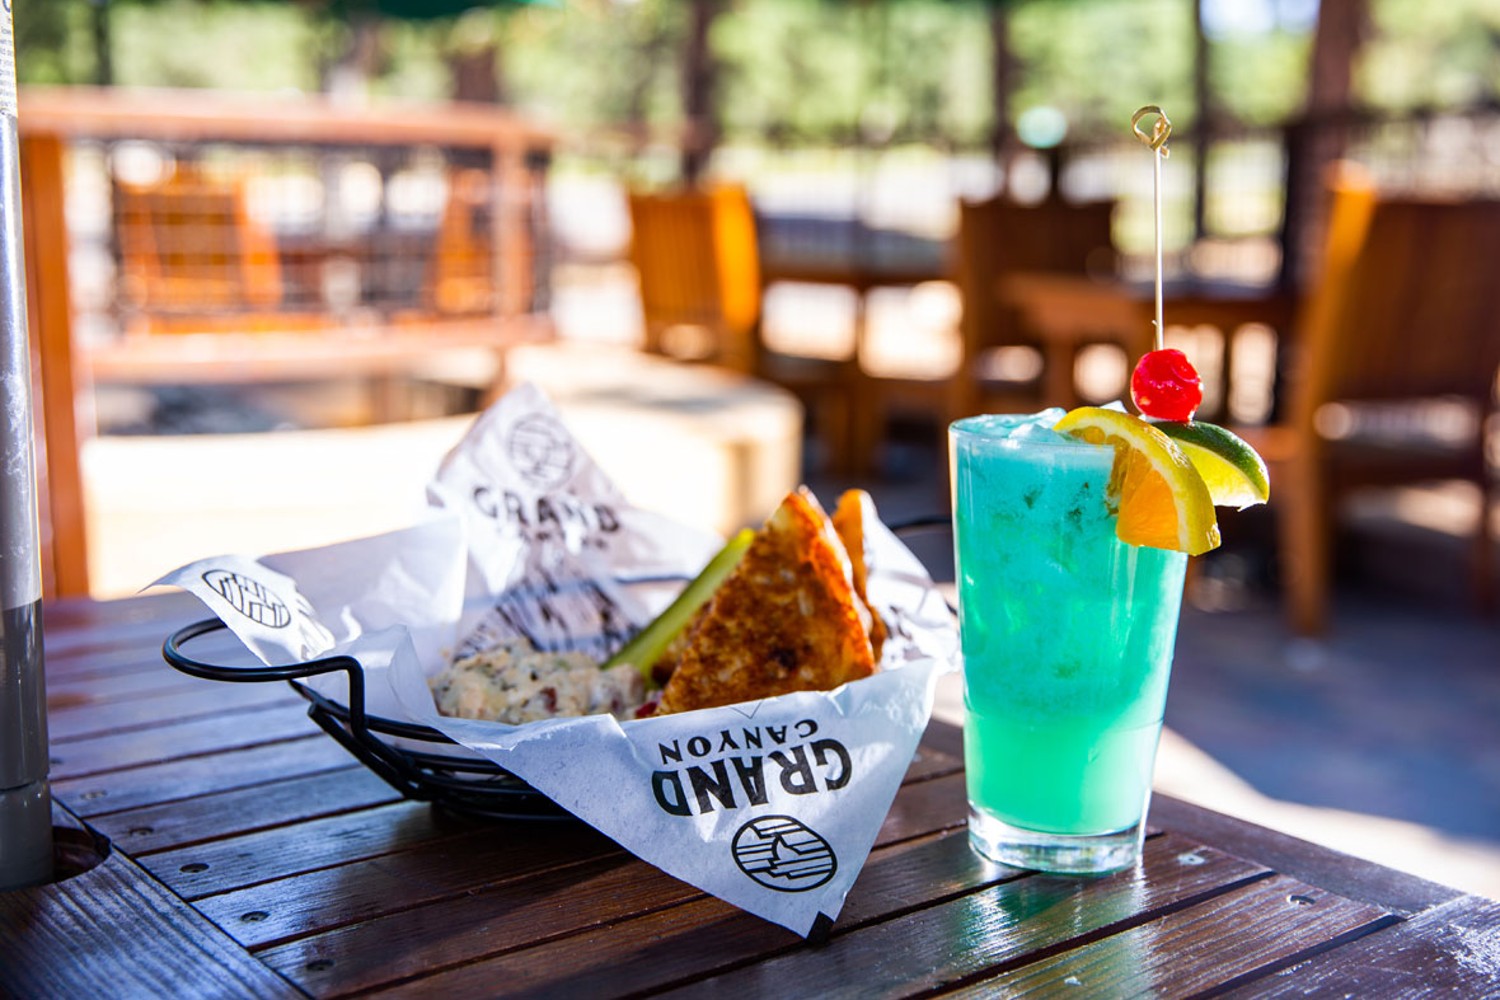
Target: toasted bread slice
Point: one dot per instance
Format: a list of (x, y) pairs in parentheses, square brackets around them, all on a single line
[(849, 521), (787, 619)]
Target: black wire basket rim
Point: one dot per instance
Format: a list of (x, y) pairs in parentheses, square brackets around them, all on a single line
[(472, 784)]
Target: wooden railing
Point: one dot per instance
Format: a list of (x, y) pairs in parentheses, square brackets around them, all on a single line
[(184, 237)]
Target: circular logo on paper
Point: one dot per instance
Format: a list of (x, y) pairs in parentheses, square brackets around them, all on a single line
[(249, 598), (541, 451), (784, 854)]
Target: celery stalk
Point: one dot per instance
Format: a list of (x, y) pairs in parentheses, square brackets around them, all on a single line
[(650, 642)]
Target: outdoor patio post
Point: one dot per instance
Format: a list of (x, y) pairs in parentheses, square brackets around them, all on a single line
[(25, 800)]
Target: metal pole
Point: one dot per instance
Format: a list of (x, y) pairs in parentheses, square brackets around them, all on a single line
[(25, 800)]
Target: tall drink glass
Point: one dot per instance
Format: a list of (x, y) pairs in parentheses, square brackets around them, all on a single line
[(1067, 638)]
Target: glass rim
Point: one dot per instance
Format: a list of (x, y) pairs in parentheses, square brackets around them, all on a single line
[(1075, 446)]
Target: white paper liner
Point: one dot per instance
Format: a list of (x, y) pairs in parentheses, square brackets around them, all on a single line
[(772, 806)]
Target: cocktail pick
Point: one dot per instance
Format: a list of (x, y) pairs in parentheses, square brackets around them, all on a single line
[(1164, 384)]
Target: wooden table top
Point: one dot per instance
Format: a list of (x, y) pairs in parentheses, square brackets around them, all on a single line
[(252, 856), (824, 250), (1073, 307)]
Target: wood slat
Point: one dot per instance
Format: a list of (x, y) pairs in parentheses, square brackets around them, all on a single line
[(132, 714), (929, 763), (923, 807), (237, 862), (935, 885), (1348, 876), (63, 693), (245, 810), (317, 901), (557, 902), (1452, 950), (516, 913), (94, 663), (79, 626), (302, 904), (363, 890), (113, 931), (142, 654), (707, 934), (1012, 923), (1239, 935), (117, 751), (185, 778)]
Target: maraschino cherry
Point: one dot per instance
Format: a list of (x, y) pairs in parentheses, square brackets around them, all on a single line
[(1165, 385)]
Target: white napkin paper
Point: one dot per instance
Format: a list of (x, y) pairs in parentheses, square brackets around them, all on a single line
[(772, 806)]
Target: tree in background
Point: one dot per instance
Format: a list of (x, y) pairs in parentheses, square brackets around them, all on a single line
[(791, 71)]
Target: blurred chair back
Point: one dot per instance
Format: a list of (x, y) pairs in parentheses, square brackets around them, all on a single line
[(698, 265), (190, 251), (997, 237), (1408, 305), (463, 278), (1405, 316)]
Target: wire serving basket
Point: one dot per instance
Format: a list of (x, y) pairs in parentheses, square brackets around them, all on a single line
[(416, 760)]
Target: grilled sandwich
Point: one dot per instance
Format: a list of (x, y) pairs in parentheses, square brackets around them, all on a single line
[(849, 521), (788, 618)]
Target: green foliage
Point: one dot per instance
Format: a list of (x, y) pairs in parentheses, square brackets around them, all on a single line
[(796, 72), (1099, 60), (214, 43), (597, 62), (1426, 54), (53, 42), (1261, 80)]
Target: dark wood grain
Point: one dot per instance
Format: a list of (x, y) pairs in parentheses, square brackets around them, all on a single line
[(1237, 936), (244, 810), (905, 893), (237, 862), (703, 936), (1348, 876), (1007, 925), (1452, 950), (322, 900), (920, 805), (173, 740), (185, 778), (152, 682), (73, 628), (516, 913), (77, 721), (93, 664), (257, 858), (945, 739), (135, 652), (114, 932), (932, 763), (554, 903)]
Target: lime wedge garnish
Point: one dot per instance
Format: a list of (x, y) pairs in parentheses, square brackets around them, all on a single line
[(1233, 471)]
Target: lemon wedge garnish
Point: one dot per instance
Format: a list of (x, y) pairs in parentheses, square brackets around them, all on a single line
[(1233, 471), (1163, 501)]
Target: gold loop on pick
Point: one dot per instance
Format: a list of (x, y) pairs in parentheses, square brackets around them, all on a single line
[(1161, 129)]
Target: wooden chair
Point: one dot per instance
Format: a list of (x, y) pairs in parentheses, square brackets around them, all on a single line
[(998, 237), (1001, 364), (1405, 309), (192, 258), (697, 258), (699, 271), (462, 281)]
